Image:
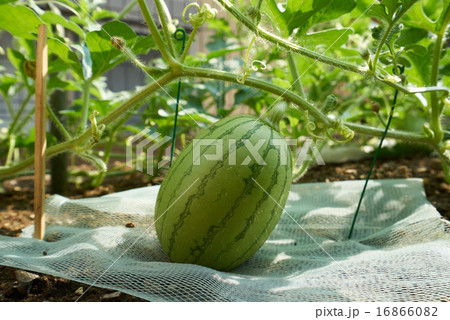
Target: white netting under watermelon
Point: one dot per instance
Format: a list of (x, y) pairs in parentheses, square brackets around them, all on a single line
[(400, 249)]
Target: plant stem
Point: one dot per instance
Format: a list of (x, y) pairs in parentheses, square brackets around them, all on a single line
[(188, 45), (11, 147), (288, 95), (62, 4), (99, 178), (162, 18), (126, 10), (295, 75), (388, 30), (12, 127), (25, 120), (9, 105), (149, 89), (291, 96), (58, 123), (85, 106), (307, 163), (380, 45), (380, 118), (436, 110), (155, 33)]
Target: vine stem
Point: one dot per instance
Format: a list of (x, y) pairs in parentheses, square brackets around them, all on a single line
[(385, 36), (435, 108), (17, 116), (162, 17), (85, 105), (97, 181), (9, 105), (381, 44), (126, 10), (58, 123), (188, 44), (12, 146), (156, 36), (291, 96), (295, 75)]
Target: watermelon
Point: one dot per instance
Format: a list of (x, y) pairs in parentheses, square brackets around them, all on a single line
[(216, 207)]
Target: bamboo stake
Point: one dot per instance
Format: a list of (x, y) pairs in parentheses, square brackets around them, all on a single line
[(40, 142)]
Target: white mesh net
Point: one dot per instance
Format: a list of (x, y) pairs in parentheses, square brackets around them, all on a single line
[(400, 249)]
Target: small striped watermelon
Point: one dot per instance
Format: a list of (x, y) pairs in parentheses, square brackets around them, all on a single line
[(219, 213)]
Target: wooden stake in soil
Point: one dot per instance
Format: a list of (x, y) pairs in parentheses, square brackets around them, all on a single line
[(40, 142)]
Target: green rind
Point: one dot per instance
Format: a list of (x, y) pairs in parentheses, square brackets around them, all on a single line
[(215, 214)]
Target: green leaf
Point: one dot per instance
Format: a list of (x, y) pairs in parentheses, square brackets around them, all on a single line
[(378, 11), (377, 33), (388, 10), (104, 56), (420, 74), (100, 13), (28, 48), (56, 64), (407, 4), (313, 12), (144, 44), (445, 64), (16, 58), (303, 14), (270, 7), (327, 38), (220, 45), (61, 50), (417, 49), (411, 35), (336, 10), (6, 82), (20, 21), (55, 82), (441, 20), (54, 19), (417, 18), (391, 6)]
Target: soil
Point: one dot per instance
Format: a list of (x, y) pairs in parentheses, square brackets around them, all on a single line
[(16, 213)]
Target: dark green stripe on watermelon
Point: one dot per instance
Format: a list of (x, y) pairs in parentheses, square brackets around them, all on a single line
[(225, 217), (226, 126)]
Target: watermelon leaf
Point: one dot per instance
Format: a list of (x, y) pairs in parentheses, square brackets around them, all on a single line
[(54, 19), (61, 50), (303, 14), (20, 21), (104, 56)]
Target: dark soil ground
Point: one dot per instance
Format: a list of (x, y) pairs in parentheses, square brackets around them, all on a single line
[(16, 213)]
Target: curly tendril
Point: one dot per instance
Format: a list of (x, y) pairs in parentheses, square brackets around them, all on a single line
[(341, 129), (249, 68), (205, 12), (97, 131), (310, 127)]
